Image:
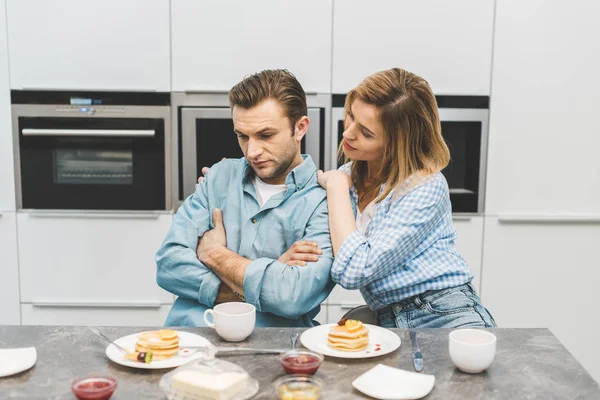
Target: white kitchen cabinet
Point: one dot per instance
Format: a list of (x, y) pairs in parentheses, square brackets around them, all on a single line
[(98, 45), (546, 276), (216, 43), (95, 316), (78, 262), (543, 136), (9, 271), (322, 315), (449, 43), (7, 177), (469, 242)]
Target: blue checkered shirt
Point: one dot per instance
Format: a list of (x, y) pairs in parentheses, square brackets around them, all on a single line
[(407, 249)]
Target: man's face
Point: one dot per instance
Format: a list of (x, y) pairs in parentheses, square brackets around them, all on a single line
[(268, 141)]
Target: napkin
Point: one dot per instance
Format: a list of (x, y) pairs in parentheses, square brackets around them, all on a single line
[(388, 383), (13, 361)]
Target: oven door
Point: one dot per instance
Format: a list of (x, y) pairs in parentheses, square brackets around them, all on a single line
[(465, 132), (92, 163), (206, 136)]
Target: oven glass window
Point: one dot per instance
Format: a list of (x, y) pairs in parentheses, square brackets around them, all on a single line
[(96, 167), (464, 142)]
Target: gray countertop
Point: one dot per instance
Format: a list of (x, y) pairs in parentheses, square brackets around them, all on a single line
[(529, 364)]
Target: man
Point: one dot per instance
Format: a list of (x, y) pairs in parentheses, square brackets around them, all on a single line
[(261, 206)]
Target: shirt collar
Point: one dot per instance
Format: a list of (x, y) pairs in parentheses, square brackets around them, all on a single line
[(298, 177)]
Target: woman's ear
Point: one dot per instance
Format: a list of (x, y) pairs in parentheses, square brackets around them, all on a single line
[(301, 127)]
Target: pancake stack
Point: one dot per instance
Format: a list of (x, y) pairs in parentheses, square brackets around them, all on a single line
[(348, 335), (163, 343)]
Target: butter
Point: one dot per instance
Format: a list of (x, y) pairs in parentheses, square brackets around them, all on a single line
[(201, 385)]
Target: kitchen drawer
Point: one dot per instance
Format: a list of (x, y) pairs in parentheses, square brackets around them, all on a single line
[(123, 315), (9, 270), (89, 258)]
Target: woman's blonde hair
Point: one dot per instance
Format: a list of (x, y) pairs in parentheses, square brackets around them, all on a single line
[(413, 143)]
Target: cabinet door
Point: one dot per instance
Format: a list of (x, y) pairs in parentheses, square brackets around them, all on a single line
[(546, 276), (7, 177), (88, 260), (100, 45), (470, 243), (9, 271), (216, 43), (449, 43), (543, 137)]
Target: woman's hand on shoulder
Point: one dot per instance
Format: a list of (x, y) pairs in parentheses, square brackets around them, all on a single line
[(334, 178)]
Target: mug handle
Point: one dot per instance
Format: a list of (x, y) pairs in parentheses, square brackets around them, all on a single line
[(206, 321)]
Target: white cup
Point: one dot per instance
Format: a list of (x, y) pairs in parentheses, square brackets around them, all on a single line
[(472, 350), (234, 322)]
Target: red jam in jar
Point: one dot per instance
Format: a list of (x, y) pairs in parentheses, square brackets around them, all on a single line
[(94, 387), (300, 362)]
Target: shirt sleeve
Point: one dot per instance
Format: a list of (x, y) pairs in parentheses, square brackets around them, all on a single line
[(290, 292), (362, 260), (178, 269)]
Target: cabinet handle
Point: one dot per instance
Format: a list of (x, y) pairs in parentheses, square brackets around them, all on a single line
[(349, 306), (93, 215), (90, 88), (92, 304), (461, 218), (89, 132), (549, 218)]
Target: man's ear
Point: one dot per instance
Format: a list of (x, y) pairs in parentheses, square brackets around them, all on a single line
[(301, 128)]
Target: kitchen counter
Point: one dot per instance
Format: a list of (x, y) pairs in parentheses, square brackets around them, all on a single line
[(529, 364)]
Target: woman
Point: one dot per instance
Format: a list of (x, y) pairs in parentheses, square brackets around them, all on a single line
[(390, 215)]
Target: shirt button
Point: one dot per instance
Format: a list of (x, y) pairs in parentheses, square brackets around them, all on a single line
[(298, 187), (253, 220)]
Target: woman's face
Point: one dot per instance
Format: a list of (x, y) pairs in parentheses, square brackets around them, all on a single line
[(363, 134)]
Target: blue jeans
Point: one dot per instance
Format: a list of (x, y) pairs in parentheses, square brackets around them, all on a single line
[(457, 307)]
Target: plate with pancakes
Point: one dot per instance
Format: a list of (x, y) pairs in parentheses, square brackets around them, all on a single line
[(350, 339), (165, 345)]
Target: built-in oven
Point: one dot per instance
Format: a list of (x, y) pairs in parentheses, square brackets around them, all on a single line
[(205, 135), (92, 150), (464, 122)]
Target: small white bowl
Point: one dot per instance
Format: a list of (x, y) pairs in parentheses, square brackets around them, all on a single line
[(472, 350)]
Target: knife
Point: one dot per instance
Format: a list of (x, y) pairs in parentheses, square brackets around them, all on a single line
[(417, 356), (222, 349)]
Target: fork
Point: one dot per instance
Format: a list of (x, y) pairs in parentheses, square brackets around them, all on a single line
[(99, 334)]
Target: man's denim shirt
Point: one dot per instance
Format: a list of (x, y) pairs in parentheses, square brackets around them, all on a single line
[(282, 295)]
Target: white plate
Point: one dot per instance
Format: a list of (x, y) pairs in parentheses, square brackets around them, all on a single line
[(13, 361), (388, 383), (128, 342), (315, 339)]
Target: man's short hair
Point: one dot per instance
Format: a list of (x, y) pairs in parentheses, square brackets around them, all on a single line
[(277, 84)]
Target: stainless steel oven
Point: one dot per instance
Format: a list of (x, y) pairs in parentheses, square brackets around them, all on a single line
[(205, 135), (92, 150), (465, 128)]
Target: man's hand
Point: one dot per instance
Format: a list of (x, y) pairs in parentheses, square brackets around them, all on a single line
[(334, 177), (301, 252), (212, 239)]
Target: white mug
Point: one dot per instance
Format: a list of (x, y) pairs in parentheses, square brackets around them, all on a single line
[(472, 350), (234, 321)]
